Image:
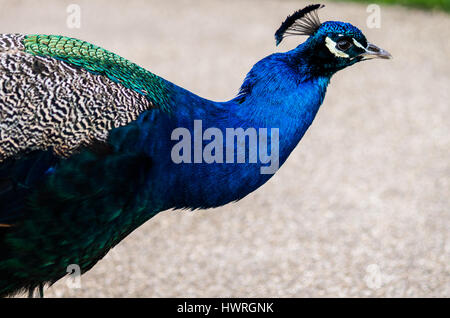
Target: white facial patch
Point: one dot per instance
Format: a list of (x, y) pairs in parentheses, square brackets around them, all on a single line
[(331, 45)]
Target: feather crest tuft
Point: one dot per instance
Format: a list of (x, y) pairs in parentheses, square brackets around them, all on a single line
[(302, 22)]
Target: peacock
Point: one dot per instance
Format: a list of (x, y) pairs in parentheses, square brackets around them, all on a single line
[(93, 145)]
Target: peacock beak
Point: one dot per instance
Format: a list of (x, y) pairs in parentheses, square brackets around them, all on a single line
[(373, 51)]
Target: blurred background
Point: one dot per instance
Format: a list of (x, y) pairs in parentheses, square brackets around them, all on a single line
[(361, 207)]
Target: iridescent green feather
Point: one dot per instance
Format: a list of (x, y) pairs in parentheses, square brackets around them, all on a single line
[(100, 61)]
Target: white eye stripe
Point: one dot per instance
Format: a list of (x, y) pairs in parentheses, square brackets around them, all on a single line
[(331, 45), (358, 44)]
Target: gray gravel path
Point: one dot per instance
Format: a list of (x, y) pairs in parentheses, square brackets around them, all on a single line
[(362, 206)]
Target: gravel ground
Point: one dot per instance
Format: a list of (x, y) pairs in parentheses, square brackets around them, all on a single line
[(361, 208)]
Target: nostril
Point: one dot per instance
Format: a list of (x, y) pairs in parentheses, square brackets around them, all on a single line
[(374, 48)]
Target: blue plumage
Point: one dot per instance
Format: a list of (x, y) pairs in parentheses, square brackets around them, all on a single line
[(60, 210)]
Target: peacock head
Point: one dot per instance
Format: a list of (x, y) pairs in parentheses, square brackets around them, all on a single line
[(331, 45)]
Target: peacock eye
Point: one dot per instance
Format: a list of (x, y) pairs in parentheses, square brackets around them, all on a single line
[(343, 45)]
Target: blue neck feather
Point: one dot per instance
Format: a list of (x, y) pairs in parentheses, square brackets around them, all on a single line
[(277, 93)]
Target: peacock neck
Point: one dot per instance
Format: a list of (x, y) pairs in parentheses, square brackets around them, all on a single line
[(273, 100), (281, 92)]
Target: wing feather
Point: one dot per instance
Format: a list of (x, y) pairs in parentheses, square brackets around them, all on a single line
[(63, 102)]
